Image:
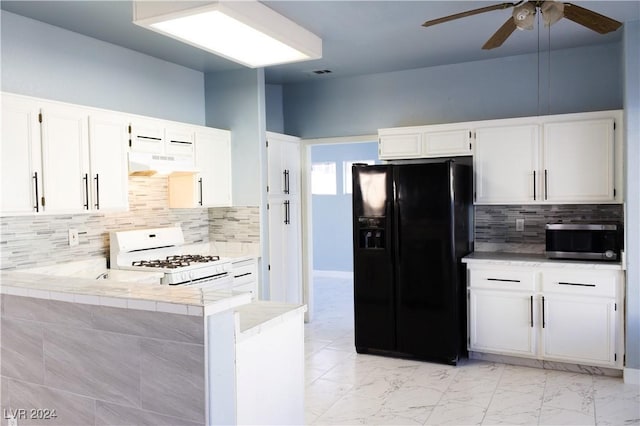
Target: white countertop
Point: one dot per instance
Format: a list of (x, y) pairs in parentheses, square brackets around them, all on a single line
[(534, 260), (79, 282), (128, 295), (260, 315)]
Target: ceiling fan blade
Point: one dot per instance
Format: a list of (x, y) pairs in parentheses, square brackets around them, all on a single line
[(501, 35), (468, 13), (590, 19)]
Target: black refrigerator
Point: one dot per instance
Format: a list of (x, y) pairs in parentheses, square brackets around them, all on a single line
[(412, 223)]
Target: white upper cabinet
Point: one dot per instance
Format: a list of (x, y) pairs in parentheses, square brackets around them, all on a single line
[(60, 158), (505, 165), (283, 154), (424, 142), (578, 158), (65, 158), (213, 159), (211, 186), (147, 135), (445, 143), (108, 141), (562, 159), (21, 158), (399, 145), (554, 159)]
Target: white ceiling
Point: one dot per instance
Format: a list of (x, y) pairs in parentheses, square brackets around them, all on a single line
[(359, 37)]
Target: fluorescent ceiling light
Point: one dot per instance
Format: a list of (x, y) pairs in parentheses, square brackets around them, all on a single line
[(246, 32)]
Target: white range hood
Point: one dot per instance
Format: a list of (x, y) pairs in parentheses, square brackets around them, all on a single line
[(148, 164)]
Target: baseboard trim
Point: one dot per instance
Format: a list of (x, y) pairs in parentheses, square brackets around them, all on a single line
[(333, 274), (631, 376)]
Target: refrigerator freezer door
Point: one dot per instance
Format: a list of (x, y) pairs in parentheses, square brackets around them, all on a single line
[(427, 317), (374, 307)]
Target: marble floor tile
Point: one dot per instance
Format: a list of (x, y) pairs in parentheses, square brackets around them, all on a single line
[(517, 408), (559, 416), (345, 388), (455, 413)]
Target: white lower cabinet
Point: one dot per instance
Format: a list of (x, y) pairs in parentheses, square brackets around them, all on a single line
[(561, 314), (579, 329), (509, 313), (245, 276)]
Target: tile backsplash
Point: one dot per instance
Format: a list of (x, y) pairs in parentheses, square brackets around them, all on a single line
[(39, 240), (235, 224), (495, 226)]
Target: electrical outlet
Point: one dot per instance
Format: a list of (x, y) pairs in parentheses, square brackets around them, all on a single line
[(73, 237), (520, 225)]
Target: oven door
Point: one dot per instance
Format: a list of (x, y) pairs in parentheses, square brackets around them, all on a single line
[(216, 282)]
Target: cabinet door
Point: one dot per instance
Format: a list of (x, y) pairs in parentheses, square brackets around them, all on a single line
[(579, 329), (108, 155), (283, 154), (179, 140), (65, 155), (147, 136), (579, 161), (447, 143), (20, 157), (502, 322), (505, 164), (213, 159), (400, 146), (285, 283)]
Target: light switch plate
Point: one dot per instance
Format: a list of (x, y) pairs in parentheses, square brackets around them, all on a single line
[(520, 225), (73, 237)]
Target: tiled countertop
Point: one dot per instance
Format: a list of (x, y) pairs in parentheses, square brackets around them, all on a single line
[(128, 295), (534, 260)]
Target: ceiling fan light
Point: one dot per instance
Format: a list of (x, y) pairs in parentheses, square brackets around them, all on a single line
[(524, 16), (552, 12)]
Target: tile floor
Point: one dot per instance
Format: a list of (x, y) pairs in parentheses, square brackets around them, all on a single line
[(343, 387)]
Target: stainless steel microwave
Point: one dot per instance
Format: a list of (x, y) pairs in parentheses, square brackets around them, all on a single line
[(583, 241)]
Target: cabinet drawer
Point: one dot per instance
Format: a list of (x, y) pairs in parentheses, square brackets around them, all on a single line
[(245, 272), (587, 283), (504, 280)]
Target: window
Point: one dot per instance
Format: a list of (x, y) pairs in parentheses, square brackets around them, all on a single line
[(323, 178), (346, 172)]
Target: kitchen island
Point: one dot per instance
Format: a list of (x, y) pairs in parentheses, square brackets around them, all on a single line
[(112, 352)]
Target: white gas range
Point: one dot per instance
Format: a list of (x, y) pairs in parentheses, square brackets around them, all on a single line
[(163, 250)]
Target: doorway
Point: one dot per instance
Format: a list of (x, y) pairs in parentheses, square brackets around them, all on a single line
[(327, 231)]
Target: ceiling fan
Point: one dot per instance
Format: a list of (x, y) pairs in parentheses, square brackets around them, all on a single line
[(523, 18)]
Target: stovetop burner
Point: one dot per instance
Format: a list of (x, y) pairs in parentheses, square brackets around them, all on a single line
[(175, 261)]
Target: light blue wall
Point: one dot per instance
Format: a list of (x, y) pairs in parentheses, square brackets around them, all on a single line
[(332, 227), (632, 127), (46, 61), (235, 100), (275, 113), (582, 79)]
